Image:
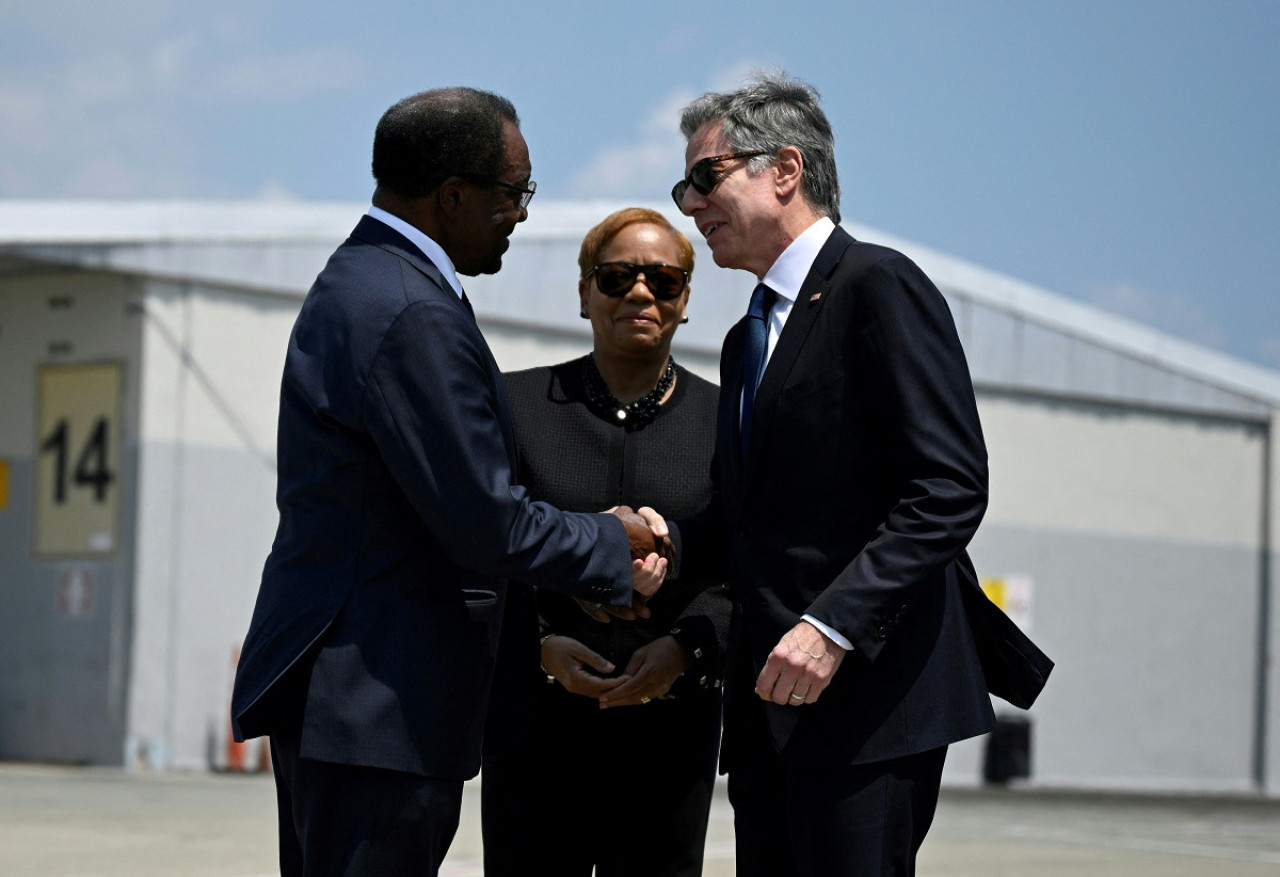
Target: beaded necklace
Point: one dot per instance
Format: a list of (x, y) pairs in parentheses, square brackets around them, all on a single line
[(635, 414)]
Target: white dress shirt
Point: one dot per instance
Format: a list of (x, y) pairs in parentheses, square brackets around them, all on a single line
[(785, 277), (429, 248)]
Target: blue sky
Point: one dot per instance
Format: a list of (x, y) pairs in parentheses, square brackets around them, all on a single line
[(1124, 153)]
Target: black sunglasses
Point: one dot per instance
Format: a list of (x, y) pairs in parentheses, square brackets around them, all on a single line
[(615, 279), (520, 195), (703, 176)]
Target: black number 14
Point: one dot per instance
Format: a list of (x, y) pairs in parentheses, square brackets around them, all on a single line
[(91, 466)]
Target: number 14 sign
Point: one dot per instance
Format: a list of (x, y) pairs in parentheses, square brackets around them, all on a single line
[(78, 466)]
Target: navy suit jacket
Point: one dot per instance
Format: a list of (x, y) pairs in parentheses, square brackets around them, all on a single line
[(378, 614), (865, 478)]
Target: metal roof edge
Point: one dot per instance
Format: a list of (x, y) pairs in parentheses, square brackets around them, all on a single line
[(44, 222), (1054, 310), (119, 222)]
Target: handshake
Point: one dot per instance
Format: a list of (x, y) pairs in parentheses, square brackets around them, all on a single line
[(651, 554)]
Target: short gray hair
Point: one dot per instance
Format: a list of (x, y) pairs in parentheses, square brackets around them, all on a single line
[(771, 111)]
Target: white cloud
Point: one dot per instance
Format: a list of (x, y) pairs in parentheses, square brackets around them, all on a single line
[(648, 165), (106, 177), (81, 25), (289, 76), (25, 118), (733, 76), (105, 76), (273, 190), (1175, 314), (171, 61), (644, 168), (202, 67), (104, 103)]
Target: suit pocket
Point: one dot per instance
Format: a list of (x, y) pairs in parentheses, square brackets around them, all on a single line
[(811, 385), (479, 596), (481, 603)]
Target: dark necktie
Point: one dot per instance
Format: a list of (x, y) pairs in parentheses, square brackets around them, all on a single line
[(754, 346), (466, 301)]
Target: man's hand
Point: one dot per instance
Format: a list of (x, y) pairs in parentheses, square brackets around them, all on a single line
[(661, 533), (567, 659), (603, 612), (800, 666), (646, 531), (651, 549), (650, 673)]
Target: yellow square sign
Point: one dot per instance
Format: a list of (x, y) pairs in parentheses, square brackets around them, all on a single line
[(78, 459)]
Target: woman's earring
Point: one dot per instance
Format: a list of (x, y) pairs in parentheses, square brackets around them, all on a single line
[(685, 320), (583, 313)]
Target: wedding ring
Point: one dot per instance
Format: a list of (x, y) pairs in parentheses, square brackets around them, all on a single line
[(644, 700), (797, 697)]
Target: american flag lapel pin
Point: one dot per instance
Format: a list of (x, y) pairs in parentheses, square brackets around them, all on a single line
[(815, 297)]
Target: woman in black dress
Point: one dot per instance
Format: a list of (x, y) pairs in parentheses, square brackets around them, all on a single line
[(603, 737)]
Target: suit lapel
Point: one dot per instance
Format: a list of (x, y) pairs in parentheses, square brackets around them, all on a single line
[(814, 293), (727, 425), (379, 234)]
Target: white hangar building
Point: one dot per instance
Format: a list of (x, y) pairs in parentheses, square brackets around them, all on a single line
[(1132, 528)]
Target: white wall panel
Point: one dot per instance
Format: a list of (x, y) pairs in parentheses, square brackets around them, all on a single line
[(1084, 467), (227, 391), (1155, 648)]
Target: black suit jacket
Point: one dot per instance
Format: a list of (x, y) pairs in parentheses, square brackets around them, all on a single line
[(864, 481), (378, 614)]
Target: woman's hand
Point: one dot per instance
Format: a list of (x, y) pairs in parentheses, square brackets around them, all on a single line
[(650, 673), (566, 659)]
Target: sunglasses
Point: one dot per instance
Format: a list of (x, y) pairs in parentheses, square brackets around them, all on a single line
[(703, 176), (520, 195), (615, 279)]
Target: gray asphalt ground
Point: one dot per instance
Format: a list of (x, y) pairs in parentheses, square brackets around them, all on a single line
[(77, 822)]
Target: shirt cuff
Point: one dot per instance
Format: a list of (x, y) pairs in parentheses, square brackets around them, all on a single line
[(836, 636)]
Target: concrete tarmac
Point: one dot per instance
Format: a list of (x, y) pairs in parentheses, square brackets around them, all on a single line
[(101, 822)]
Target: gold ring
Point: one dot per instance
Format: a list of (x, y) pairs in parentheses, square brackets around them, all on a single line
[(799, 697), (644, 700)]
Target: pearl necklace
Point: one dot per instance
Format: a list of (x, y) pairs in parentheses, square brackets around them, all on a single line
[(635, 414)]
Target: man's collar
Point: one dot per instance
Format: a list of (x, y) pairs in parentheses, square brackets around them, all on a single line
[(429, 248), (787, 274)]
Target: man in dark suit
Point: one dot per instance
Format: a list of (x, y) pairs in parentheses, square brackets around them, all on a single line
[(371, 650), (851, 474)]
